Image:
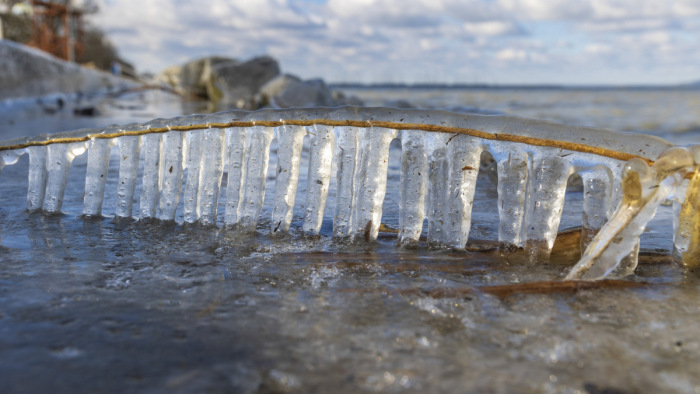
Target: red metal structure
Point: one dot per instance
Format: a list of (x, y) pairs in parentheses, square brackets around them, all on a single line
[(57, 28)]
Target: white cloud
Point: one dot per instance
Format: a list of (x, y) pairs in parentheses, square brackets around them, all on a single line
[(548, 9), (574, 10), (492, 28), (511, 54), (598, 49), (448, 40), (630, 24)]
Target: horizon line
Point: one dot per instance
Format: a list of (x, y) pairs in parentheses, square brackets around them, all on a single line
[(482, 85)]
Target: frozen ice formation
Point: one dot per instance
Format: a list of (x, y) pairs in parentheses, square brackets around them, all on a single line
[(625, 178), (644, 187)]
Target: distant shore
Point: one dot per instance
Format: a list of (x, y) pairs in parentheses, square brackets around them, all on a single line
[(481, 86)]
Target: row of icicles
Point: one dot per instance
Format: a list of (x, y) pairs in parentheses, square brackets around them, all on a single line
[(438, 179)]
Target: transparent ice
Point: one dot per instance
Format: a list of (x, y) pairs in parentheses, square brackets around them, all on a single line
[(439, 169)]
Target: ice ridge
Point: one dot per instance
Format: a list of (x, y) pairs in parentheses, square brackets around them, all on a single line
[(625, 178)]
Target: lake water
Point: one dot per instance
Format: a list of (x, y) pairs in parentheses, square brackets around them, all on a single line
[(104, 306)]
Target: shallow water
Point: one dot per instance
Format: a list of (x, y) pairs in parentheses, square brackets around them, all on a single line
[(99, 305), (667, 112)]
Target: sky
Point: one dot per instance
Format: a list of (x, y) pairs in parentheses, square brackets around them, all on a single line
[(574, 42)]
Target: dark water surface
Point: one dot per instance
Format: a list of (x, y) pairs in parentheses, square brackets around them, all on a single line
[(103, 306)]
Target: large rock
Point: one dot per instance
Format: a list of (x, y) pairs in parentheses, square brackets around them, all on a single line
[(195, 79), (288, 91), (250, 85), (311, 93), (238, 84), (341, 99), (276, 86), (26, 72)]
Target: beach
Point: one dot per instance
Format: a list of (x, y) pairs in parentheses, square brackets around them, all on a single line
[(144, 306)]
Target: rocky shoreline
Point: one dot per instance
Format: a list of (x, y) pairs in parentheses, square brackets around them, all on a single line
[(29, 77), (252, 84)]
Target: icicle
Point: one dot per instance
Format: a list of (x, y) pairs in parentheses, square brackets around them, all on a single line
[(59, 159), (628, 264), (347, 159), (464, 158), (644, 189), (597, 195), (210, 174), (414, 173), (192, 187), (290, 140), (371, 181), (438, 174), (96, 176), (686, 243), (129, 152), (547, 190), (10, 157), (172, 172), (447, 162), (151, 175), (318, 179), (512, 167), (257, 158), (235, 148), (677, 201), (37, 177)]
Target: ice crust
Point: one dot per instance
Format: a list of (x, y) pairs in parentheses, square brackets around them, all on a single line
[(438, 177)]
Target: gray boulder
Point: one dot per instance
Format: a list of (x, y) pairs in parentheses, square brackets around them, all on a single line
[(194, 79), (311, 93), (289, 91), (250, 85), (238, 84), (341, 99), (275, 87)]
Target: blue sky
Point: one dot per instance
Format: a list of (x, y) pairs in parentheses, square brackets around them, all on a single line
[(452, 41)]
